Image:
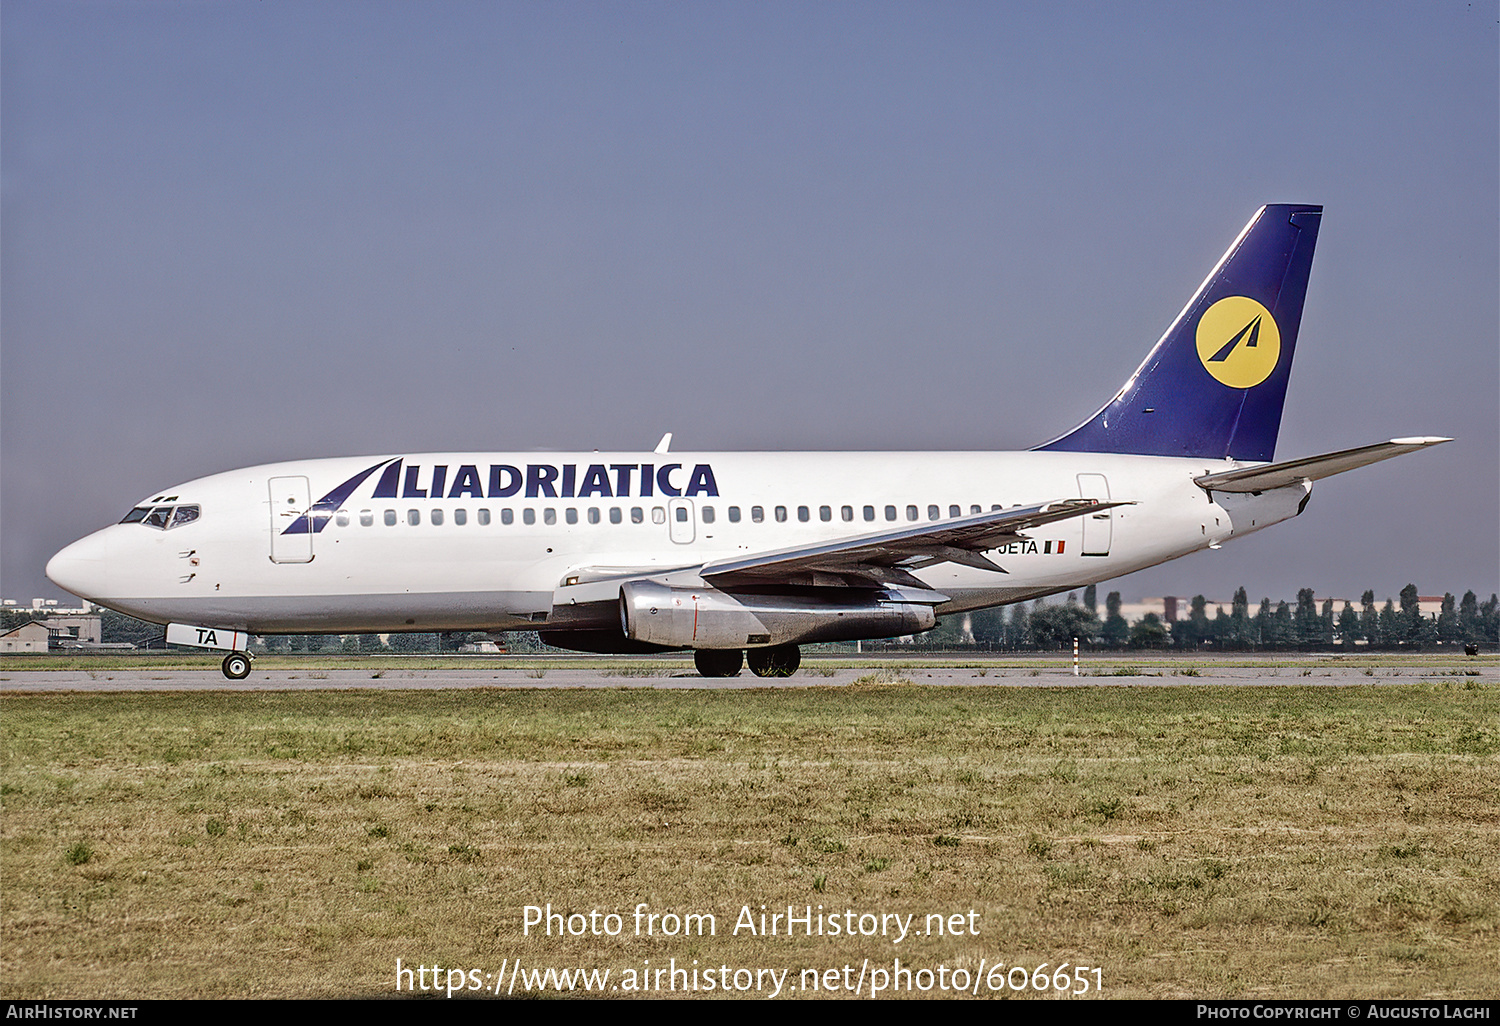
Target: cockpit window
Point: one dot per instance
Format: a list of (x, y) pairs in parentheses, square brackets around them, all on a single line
[(163, 517)]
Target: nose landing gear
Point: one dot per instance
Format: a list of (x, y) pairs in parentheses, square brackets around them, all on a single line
[(236, 665)]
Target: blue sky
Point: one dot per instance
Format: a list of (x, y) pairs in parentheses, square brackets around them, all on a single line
[(234, 233)]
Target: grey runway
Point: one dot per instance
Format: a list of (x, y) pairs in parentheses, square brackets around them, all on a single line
[(1060, 675)]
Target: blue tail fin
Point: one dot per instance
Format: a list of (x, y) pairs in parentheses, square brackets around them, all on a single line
[(1215, 383)]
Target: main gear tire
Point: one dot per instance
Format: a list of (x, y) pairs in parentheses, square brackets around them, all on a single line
[(776, 661), (718, 662)]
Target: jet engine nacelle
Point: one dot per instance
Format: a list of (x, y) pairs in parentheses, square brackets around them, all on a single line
[(709, 618)]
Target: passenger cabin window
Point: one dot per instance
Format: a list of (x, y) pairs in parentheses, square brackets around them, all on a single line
[(734, 514), (911, 512), (658, 515), (437, 517), (341, 518), (890, 512), (413, 517), (869, 512), (615, 516), (847, 513), (804, 514), (637, 515), (528, 515), (570, 515), (460, 517), (758, 514), (549, 516), (682, 514), (593, 514), (708, 514), (390, 518), (825, 513), (366, 517)]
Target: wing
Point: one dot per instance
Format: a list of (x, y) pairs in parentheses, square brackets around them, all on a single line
[(1310, 468), (888, 557)]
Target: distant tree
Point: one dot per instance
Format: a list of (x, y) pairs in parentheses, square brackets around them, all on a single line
[(1284, 631), (1016, 635), (988, 626), (116, 628), (1326, 629), (1195, 630), (1415, 629), (1054, 627), (1221, 631), (1489, 619), (411, 643), (1091, 599), (15, 617), (1470, 628), (1448, 629), (1390, 625), (1306, 628), (1149, 632), (947, 634), (1369, 620), (1240, 632), (1115, 632), (1265, 628), (1348, 629)]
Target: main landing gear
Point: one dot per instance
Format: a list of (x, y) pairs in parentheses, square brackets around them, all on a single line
[(776, 661), (236, 665)]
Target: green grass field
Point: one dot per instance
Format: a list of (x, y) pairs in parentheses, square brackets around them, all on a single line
[(1189, 841)]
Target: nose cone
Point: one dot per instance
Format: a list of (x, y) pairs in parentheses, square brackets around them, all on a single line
[(82, 567)]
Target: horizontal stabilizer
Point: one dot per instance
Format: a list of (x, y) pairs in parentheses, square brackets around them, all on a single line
[(1310, 468)]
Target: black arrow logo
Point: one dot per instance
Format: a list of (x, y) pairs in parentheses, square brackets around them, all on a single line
[(1252, 329)]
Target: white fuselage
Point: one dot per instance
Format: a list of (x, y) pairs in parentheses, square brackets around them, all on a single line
[(392, 556)]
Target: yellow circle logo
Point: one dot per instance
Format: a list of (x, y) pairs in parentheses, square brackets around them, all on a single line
[(1238, 342)]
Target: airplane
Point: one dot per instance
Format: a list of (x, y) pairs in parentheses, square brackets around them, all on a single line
[(745, 556)]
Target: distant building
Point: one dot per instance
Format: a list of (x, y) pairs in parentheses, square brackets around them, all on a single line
[(1171, 608), (481, 648), (1168, 608), (41, 605), (77, 630), (33, 636), (68, 629)]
